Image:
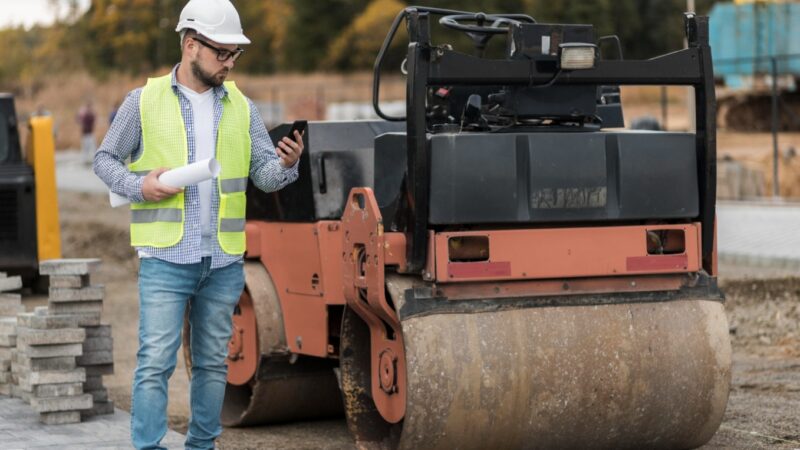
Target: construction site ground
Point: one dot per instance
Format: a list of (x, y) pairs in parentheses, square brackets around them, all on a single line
[(763, 306)]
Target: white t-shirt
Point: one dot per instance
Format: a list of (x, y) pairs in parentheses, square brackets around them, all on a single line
[(203, 129)]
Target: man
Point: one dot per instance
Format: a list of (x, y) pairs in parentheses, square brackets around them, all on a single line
[(86, 118), (191, 241)]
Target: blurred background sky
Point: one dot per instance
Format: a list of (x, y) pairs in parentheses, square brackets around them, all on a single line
[(35, 12)]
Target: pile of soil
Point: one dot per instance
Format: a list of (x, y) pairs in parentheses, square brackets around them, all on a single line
[(764, 315)]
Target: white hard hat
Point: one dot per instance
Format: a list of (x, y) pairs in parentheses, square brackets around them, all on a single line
[(214, 19)]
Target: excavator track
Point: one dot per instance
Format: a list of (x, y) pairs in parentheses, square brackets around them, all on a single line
[(621, 372), (282, 388), (751, 111)]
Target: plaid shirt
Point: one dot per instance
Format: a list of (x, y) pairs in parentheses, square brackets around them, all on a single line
[(124, 139)]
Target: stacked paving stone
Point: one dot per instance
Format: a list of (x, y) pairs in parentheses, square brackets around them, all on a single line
[(46, 371), (72, 294), (10, 306), (62, 349), (97, 360)]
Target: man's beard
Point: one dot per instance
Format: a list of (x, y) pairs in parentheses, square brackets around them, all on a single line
[(207, 78)]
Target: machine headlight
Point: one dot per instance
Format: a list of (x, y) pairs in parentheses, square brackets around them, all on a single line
[(577, 55)]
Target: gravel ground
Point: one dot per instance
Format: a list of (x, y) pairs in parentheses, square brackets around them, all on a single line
[(763, 409)]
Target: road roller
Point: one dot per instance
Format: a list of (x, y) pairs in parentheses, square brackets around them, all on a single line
[(503, 267)]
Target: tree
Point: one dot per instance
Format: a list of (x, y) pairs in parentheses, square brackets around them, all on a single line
[(358, 45), (313, 26)]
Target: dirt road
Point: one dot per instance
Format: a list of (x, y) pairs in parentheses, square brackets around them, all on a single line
[(765, 319)]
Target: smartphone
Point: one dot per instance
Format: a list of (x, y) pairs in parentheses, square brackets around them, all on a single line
[(299, 126)]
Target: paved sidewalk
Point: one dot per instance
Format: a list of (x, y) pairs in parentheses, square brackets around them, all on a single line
[(20, 429), (759, 234), (72, 174)]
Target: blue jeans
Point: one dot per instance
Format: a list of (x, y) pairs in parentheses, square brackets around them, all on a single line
[(164, 291)]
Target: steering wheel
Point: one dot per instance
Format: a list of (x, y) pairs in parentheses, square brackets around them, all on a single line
[(498, 23), (478, 30)]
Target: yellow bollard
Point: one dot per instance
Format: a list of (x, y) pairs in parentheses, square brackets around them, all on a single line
[(40, 155)]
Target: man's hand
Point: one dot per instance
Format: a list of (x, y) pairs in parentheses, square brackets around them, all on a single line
[(154, 190), (290, 150)]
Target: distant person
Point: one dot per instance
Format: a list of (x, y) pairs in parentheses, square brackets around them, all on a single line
[(190, 247), (113, 113), (86, 119)]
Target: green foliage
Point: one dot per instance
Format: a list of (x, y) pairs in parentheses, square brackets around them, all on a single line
[(357, 46), (313, 25)]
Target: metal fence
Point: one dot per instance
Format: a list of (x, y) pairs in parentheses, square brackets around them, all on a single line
[(773, 73)]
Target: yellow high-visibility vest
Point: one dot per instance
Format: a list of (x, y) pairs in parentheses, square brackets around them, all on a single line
[(164, 144)]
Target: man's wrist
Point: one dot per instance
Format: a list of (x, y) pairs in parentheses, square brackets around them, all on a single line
[(137, 192)]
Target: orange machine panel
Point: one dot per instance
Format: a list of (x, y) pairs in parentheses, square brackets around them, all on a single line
[(567, 252), (293, 254)]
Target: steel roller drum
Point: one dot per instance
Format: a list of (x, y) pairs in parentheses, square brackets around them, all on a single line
[(627, 375)]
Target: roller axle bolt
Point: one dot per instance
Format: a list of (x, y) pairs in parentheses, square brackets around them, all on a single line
[(387, 371)]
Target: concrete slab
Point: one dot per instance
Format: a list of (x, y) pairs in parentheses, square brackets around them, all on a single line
[(761, 234), (95, 358), (69, 281), (10, 283), (38, 337), (83, 308), (75, 176), (75, 295), (69, 266), (47, 322), (20, 429)]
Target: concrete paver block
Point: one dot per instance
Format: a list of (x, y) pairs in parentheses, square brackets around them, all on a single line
[(60, 417), (80, 307), (88, 319), (100, 395), (10, 283), (27, 380), (49, 351), (69, 281), (93, 383), (98, 331), (47, 322), (99, 409), (68, 266), (95, 358), (11, 310), (53, 404), (58, 390), (55, 363), (7, 299), (105, 369), (8, 325), (97, 344), (105, 431), (18, 392), (32, 336), (76, 295)]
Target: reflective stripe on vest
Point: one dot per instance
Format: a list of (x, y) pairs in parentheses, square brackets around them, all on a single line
[(161, 224), (233, 185)]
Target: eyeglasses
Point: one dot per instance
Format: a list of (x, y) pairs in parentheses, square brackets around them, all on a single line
[(222, 54)]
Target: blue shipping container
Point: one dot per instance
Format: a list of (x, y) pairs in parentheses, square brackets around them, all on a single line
[(744, 37)]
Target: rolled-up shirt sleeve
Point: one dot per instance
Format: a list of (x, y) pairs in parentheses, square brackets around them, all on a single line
[(121, 141), (265, 168)]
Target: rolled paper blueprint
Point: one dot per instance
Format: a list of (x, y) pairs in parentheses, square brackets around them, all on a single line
[(180, 177)]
